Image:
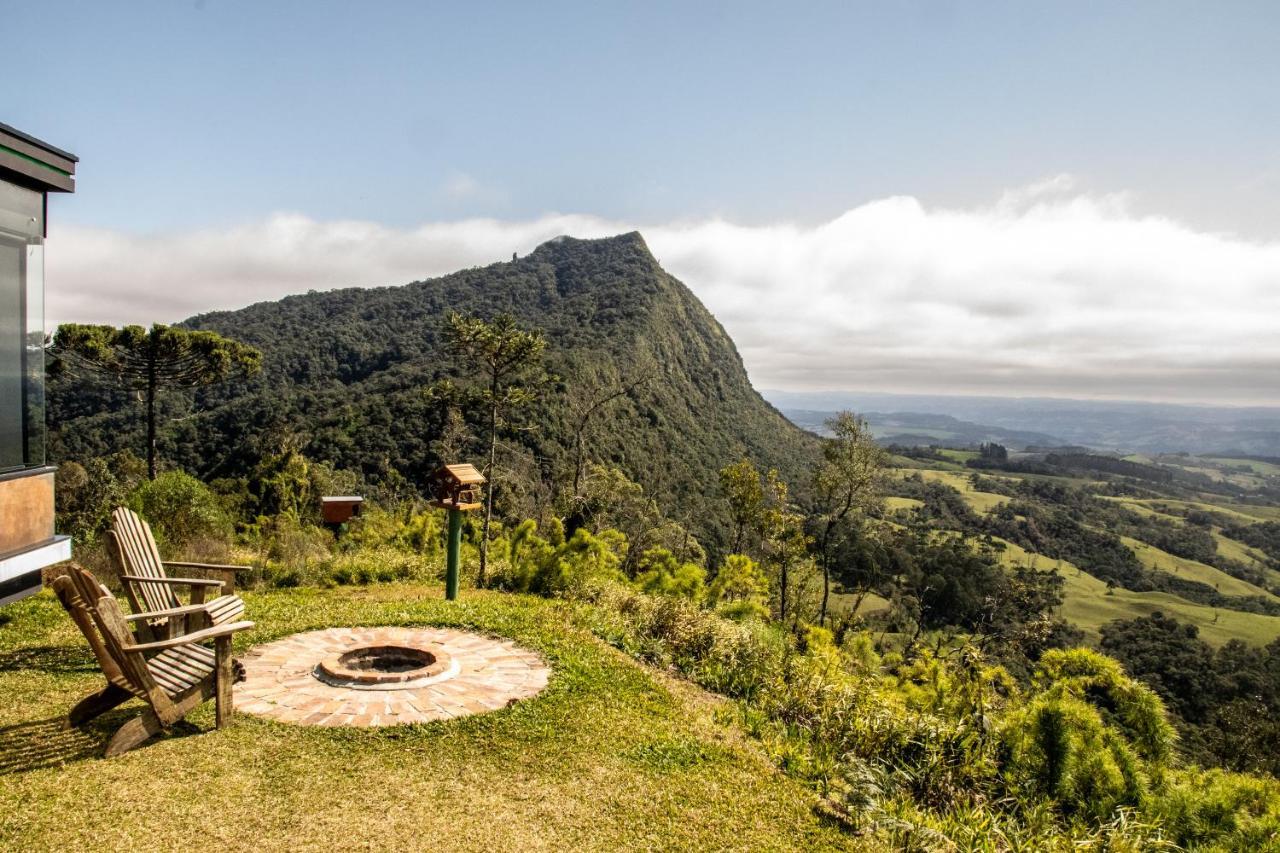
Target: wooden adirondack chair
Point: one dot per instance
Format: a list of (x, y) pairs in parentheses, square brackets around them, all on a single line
[(150, 589), (173, 676)]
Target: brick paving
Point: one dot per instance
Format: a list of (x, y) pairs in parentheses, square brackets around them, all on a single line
[(486, 674)]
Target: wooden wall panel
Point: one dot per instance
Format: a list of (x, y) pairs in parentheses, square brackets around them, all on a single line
[(26, 511)]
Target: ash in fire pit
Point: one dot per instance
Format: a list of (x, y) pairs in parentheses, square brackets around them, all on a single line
[(386, 667)]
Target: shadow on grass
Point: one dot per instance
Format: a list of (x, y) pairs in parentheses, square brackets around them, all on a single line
[(39, 744), (46, 743), (51, 659)]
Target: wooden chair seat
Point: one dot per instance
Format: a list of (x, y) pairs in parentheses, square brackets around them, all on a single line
[(179, 669)]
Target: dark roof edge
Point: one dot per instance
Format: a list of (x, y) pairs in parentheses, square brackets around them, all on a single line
[(39, 143)]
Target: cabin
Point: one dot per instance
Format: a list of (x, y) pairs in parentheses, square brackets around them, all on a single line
[(456, 487), (29, 171)]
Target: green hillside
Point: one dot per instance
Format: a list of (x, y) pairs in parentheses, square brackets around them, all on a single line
[(345, 374)]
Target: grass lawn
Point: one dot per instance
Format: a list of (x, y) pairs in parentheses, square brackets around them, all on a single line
[(612, 755)]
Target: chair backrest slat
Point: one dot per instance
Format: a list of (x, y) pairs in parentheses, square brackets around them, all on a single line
[(136, 554), (97, 614), (73, 602)]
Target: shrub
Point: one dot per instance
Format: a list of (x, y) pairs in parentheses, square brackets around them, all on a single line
[(740, 589), (660, 573), (180, 509)]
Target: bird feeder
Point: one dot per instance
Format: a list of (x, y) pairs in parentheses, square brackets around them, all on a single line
[(337, 510), (455, 488)]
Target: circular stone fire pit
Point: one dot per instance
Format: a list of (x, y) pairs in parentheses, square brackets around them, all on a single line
[(385, 667), (385, 676)]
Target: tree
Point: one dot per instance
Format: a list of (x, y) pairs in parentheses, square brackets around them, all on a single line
[(583, 408), (846, 486), (146, 361), (509, 359), (741, 485)]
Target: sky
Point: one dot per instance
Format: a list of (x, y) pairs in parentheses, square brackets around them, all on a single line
[(1067, 199)]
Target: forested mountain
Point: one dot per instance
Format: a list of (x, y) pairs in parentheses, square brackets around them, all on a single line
[(345, 374)]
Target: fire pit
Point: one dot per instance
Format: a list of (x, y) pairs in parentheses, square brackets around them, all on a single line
[(386, 676), (385, 667)]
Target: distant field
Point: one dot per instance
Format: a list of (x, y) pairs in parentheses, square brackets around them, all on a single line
[(1242, 512), (1266, 469), (842, 602), (1142, 509), (1087, 605), (961, 456), (1154, 558), (977, 501), (1233, 550), (892, 503)]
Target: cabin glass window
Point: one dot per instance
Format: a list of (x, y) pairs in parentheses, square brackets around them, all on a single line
[(21, 327)]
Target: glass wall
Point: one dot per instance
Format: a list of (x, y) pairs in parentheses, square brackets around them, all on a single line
[(21, 327)]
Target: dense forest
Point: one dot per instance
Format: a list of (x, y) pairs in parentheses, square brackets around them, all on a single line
[(347, 378)]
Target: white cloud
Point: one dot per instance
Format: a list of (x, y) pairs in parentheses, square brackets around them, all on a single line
[(461, 188), (1048, 291)]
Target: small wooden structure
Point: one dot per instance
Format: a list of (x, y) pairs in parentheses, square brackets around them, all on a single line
[(339, 509), (150, 589), (174, 676), (456, 487)]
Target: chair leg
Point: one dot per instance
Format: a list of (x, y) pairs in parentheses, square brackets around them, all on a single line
[(223, 678), (134, 733), (96, 704)]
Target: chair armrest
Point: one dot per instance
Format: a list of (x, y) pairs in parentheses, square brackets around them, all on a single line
[(188, 639), (172, 611), (175, 581), (209, 566)]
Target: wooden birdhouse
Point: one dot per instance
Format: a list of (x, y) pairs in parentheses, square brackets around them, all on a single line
[(339, 509), (456, 487)]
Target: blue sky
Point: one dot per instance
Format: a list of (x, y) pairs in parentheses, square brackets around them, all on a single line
[(217, 118), (210, 113)]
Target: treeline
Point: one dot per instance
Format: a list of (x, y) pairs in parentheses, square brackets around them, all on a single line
[(1226, 701)]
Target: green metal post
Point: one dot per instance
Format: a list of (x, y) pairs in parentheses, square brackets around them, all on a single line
[(455, 545)]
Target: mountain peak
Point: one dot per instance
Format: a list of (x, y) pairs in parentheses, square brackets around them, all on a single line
[(629, 243)]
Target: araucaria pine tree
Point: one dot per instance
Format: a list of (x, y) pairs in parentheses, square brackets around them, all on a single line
[(147, 361), (509, 361)]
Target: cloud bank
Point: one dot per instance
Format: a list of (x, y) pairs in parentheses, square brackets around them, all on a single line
[(1048, 291)]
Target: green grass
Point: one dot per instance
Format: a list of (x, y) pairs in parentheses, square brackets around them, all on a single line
[(1233, 550), (1246, 513), (612, 755), (1087, 605), (842, 602), (895, 503), (1154, 558), (1266, 469), (977, 501), (1142, 509)]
